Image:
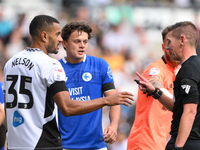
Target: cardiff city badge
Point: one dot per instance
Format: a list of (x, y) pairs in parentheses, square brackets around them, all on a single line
[(87, 76)]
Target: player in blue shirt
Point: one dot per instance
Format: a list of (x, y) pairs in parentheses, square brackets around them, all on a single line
[(87, 78)]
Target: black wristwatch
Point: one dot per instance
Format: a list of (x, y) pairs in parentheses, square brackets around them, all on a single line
[(177, 148), (158, 94)]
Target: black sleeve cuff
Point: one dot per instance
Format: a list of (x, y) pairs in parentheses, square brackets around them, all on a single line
[(107, 86), (58, 86)]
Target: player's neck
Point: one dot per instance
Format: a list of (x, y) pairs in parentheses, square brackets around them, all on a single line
[(171, 62), (73, 61), (187, 53), (38, 46)]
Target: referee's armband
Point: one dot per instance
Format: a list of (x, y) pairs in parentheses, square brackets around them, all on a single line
[(188, 86)]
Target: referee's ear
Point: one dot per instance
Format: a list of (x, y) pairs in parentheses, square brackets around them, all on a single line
[(183, 39)]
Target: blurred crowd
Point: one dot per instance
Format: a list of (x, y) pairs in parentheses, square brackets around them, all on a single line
[(125, 45)]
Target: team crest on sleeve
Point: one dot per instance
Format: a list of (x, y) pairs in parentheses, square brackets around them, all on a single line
[(154, 71), (59, 75), (109, 72), (87, 76)]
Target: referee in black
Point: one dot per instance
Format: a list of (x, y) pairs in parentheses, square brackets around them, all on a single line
[(185, 129)]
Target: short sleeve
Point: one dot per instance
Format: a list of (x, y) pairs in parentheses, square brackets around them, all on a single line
[(189, 88), (53, 72), (106, 72), (107, 76)]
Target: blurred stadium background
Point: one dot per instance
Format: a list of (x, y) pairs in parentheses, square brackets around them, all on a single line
[(126, 33)]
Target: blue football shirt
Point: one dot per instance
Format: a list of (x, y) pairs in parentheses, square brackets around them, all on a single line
[(86, 81)]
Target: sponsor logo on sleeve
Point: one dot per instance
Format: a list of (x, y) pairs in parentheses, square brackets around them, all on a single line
[(154, 71), (186, 88), (59, 75), (109, 72)]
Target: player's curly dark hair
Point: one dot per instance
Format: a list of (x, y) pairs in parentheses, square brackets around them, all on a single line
[(75, 26)]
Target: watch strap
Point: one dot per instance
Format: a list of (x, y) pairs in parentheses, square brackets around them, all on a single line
[(177, 148), (158, 94)]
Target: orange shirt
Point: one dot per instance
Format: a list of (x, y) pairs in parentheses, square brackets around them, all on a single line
[(150, 130)]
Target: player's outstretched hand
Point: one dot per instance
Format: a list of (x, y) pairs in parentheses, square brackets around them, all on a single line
[(144, 85), (120, 98)]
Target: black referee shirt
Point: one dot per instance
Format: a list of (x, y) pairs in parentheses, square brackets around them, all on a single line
[(187, 90)]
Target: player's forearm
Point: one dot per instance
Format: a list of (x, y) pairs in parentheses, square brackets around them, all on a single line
[(114, 115), (70, 107), (166, 98), (115, 111), (166, 101), (83, 107)]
